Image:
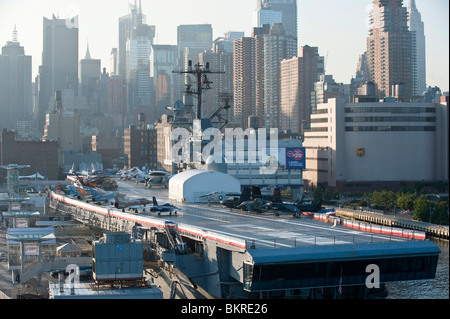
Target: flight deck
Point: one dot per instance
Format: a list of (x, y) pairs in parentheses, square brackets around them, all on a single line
[(262, 230), (230, 252)]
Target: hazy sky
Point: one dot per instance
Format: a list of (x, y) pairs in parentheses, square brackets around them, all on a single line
[(337, 27)]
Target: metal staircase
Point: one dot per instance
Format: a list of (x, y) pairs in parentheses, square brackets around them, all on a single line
[(176, 242)]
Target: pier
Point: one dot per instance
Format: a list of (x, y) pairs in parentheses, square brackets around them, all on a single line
[(431, 230)]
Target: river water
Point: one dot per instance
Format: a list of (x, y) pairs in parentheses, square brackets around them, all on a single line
[(425, 289)]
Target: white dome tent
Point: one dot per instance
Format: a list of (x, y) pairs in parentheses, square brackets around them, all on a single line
[(188, 186)]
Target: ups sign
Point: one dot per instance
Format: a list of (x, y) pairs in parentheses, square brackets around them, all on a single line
[(360, 151)]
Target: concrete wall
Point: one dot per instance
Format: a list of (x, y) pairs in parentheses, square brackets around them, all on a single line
[(390, 156)]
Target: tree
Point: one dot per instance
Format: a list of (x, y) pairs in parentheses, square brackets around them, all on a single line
[(441, 187), (317, 193), (383, 199), (376, 199), (439, 214), (327, 195), (405, 201), (422, 209)]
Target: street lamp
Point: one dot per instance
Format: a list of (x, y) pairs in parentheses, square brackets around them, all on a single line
[(395, 203), (430, 213)]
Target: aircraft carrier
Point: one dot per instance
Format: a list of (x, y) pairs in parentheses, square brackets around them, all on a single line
[(234, 254)]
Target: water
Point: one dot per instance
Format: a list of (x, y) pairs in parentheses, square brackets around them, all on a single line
[(425, 289)]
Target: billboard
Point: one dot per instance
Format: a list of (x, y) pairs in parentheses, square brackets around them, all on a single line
[(273, 158), (295, 158), (31, 249)]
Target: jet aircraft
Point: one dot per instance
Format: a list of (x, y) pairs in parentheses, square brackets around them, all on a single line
[(124, 203), (163, 208), (237, 199), (213, 196), (251, 199), (310, 207)]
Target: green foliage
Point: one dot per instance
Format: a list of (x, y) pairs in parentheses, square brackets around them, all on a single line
[(439, 214), (424, 209), (317, 193), (441, 187), (405, 201), (421, 209), (384, 199)]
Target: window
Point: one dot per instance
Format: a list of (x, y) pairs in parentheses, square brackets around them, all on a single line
[(390, 129)]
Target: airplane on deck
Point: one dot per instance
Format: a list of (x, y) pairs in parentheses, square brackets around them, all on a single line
[(124, 203), (157, 178), (89, 193), (253, 205), (150, 179), (131, 173), (237, 199), (274, 198), (73, 174), (213, 197), (282, 207), (98, 196), (163, 208), (35, 176), (103, 182), (251, 199), (261, 202), (71, 191), (310, 207)]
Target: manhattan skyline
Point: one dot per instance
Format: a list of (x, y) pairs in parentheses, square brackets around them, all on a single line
[(340, 31)]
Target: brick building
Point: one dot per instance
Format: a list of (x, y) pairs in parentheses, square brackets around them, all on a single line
[(140, 146), (41, 156)]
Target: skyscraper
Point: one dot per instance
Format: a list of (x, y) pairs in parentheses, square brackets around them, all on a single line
[(224, 44), (126, 24), (266, 15), (298, 76), (192, 39), (416, 25), (271, 11), (244, 79), (89, 75), (15, 84), (272, 45), (59, 68), (222, 83), (391, 50), (138, 48), (163, 60)]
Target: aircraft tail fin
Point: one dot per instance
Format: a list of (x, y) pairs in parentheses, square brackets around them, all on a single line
[(245, 196), (277, 195), (276, 191), (73, 190), (256, 191), (155, 201), (318, 203)]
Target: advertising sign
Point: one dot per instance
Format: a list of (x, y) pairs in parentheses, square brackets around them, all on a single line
[(31, 249), (295, 158), (21, 223), (274, 158)]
